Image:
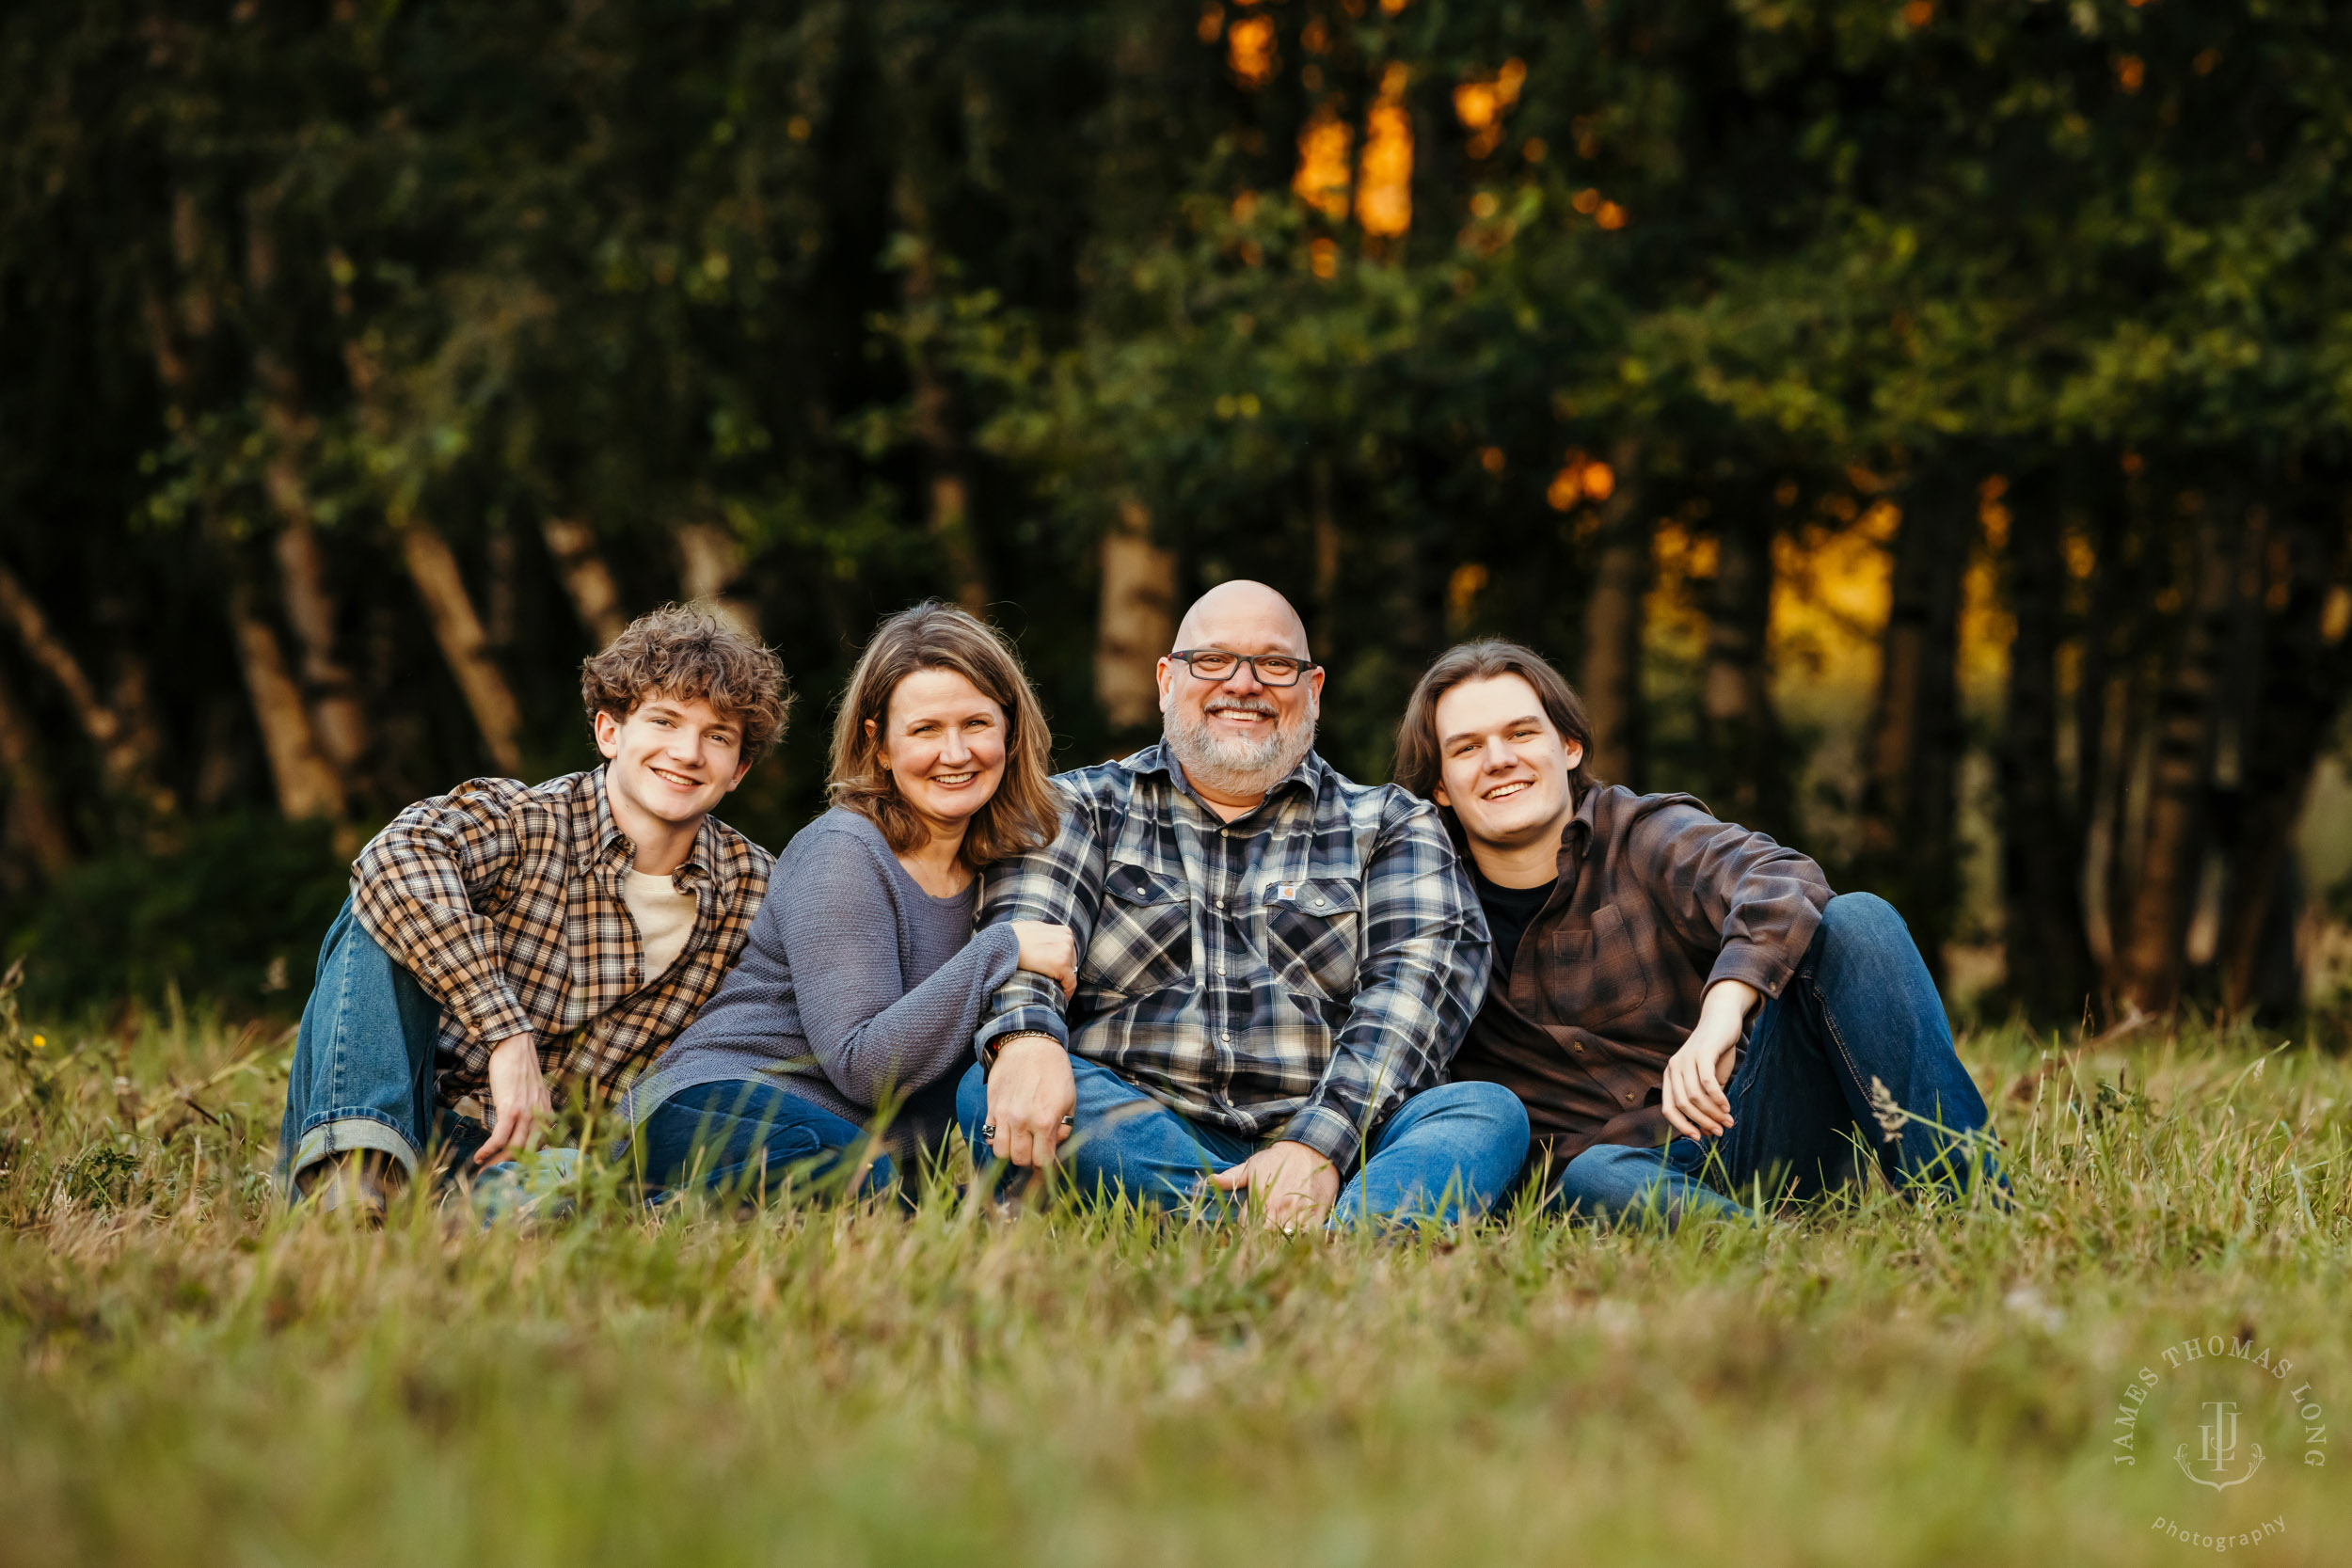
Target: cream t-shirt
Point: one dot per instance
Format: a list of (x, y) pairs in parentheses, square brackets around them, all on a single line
[(665, 918)]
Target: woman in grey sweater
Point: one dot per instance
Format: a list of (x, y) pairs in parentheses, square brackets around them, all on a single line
[(862, 983)]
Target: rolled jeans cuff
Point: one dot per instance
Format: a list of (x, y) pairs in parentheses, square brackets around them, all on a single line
[(343, 1134)]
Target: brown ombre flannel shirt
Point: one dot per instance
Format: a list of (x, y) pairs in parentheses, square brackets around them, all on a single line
[(505, 901), (1656, 901)]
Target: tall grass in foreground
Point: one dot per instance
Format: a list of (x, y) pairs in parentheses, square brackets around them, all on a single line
[(184, 1376)]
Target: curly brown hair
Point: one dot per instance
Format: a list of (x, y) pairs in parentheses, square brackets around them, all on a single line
[(1024, 813), (688, 653)]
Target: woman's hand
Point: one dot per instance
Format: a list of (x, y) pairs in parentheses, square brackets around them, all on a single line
[(1049, 950), (1031, 1095)]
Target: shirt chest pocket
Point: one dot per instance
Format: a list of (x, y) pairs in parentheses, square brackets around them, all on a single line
[(1142, 940), (1594, 976), (1313, 934)]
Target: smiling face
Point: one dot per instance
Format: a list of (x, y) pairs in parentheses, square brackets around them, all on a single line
[(944, 742), (1502, 766), (1237, 737), (672, 758)]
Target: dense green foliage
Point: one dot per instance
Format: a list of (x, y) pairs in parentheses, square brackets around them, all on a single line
[(824, 306), (182, 1371)]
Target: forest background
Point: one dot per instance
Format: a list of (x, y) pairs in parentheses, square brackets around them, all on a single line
[(1919, 428)]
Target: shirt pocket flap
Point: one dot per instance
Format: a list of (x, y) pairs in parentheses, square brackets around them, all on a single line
[(1323, 898), (1132, 884)]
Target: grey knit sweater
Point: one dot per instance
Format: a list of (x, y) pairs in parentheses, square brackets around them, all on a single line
[(855, 984)]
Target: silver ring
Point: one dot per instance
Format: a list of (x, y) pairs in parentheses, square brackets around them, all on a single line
[(1069, 1121), (988, 1130)]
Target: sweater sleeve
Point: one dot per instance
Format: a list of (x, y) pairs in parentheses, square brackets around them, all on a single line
[(867, 1030)]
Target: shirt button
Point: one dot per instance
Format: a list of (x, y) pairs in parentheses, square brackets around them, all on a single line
[(1578, 1047), (1628, 1100), (1228, 1036)]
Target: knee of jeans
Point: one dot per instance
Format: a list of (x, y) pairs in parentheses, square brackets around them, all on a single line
[(1861, 913), (1498, 1107)]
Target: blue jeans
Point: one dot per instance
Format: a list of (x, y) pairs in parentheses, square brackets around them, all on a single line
[(363, 1063), (1447, 1151), (1860, 1009), (737, 1137)]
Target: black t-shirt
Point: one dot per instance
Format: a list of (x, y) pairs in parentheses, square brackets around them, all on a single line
[(1509, 911)]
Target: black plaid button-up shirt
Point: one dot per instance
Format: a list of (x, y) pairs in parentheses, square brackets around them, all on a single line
[(505, 901), (1295, 973)]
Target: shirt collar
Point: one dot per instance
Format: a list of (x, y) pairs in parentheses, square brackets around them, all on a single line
[(597, 838), (1576, 839), (1156, 758)]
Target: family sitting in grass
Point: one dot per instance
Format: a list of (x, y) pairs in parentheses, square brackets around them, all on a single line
[(1216, 977)]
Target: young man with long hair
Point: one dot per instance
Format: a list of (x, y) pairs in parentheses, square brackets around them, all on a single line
[(1685, 1007)]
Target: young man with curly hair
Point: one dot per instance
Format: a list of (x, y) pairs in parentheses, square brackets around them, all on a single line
[(507, 945)]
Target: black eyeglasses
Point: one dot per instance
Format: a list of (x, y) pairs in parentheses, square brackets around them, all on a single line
[(1215, 664)]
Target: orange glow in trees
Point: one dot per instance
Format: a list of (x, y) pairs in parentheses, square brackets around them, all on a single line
[(1384, 180), (1321, 182)]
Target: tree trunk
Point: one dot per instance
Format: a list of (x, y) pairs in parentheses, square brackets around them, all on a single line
[(458, 629), (1740, 733), (2305, 677), (587, 580), (2041, 849), (1610, 679), (2151, 937), (1137, 620), (128, 765), (307, 785), (710, 558), (328, 688), (34, 827), (1908, 849)]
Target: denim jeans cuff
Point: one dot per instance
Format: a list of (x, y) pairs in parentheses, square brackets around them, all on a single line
[(345, 1134)]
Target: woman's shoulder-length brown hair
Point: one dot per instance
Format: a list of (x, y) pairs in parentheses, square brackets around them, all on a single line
[(1417, 761), (1024, 813)]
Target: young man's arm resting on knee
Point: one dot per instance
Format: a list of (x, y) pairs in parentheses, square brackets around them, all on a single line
[(414, 891)]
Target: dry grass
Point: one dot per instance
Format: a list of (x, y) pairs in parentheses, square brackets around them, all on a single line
[(184, 1377)]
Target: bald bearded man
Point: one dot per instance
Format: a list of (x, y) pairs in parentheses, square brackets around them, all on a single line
[(1278, 965)]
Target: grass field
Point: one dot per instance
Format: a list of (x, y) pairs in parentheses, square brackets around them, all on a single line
[(184, 1377)]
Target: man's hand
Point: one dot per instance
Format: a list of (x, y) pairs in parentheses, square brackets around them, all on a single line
[(1693, 1099), (519, 1098), (1049, 950), (1030, 1090), (1293, 1183)]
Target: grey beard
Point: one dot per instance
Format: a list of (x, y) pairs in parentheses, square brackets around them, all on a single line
[(1234, 767)]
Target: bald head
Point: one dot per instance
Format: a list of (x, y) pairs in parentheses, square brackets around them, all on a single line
[(1245, 617)]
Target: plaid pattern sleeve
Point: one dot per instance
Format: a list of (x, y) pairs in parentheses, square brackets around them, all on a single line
[(506, 902), (1419, 983), (419, 887), (1060, 884)]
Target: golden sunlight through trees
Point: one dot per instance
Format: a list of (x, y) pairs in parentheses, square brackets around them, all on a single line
[(1249, 51), (1581, 477), (1384, 184), (1323, 148), (1479, 104)]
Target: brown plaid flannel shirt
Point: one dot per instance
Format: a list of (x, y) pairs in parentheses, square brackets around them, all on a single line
[(1656, 901), (505, 901)]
